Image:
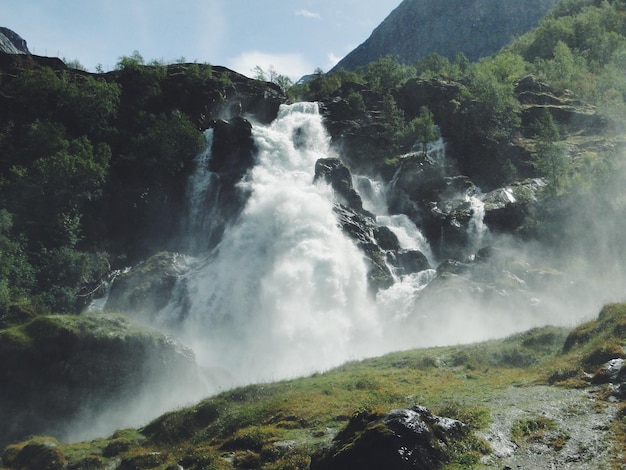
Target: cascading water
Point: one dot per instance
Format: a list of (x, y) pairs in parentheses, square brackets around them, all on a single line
[(285, 291), (476, 227)]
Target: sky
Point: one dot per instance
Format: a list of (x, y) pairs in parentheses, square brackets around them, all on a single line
[(295, 37)]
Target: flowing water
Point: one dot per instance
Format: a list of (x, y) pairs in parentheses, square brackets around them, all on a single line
[(285, 291)]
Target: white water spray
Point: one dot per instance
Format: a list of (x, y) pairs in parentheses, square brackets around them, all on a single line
[(285, 292), (476, 227)]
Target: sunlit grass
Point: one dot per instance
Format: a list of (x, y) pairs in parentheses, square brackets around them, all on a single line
[(279, 425)]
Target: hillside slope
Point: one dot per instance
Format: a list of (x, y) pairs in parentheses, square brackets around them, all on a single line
[(539, 399), (476, 28)]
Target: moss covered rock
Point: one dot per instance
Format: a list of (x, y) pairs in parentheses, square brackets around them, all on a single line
[(400, 439), (62, 370)]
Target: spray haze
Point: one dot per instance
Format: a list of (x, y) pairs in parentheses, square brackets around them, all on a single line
[(285, 291)]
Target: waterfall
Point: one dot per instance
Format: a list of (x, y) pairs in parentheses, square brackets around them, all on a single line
[(203, 197), (476, 228), (284, 292)]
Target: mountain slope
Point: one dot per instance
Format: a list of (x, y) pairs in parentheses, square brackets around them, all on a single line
[(476, 28), (11, 42)]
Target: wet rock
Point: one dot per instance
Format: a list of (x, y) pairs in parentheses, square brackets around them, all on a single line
[(146, 287), (400, 439), (507, 207), (337, 175), (411, 261), (361, 229), (233, 149), (610, 372)]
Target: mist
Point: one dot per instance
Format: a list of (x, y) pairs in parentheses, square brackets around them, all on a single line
[(284, 293)]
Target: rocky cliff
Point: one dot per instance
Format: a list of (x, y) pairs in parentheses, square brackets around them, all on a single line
[(476, 28), (12, 43)]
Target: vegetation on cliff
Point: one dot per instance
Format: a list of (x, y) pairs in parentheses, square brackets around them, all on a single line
[(93, 168)]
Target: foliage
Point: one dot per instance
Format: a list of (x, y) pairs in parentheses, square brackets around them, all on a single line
[(422, 128), (272, 76), (386, 74), (552, 161), (72, 143)]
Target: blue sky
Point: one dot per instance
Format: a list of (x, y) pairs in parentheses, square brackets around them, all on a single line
[(293, 36)]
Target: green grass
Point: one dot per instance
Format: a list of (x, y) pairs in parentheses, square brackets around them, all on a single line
[(279, 425)]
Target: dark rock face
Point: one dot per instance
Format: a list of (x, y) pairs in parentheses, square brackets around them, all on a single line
[(11, 42), (338, 176), (476, 28), (233, 149), (362, 229), (401, 439)]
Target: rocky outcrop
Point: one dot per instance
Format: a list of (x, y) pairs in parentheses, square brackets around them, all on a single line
[(233, 149), (440, 205), (12, 43), (400, 439), (62, 371), (507, 207), (570, 113), (338, 176), (379, 244)]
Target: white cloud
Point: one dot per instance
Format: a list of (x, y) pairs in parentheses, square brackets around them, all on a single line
[(333, 59), (292, 65), (308, 14)]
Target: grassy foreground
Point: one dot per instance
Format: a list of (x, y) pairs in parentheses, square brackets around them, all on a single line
[(280, 425)]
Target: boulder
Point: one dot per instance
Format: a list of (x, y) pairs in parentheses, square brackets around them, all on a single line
[(401, 439), (63, 371), (40, 453), (411, 261), (147, 287), (507, 207)]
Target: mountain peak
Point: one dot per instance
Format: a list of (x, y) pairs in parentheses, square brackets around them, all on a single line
[(11, 42), (477, 28)]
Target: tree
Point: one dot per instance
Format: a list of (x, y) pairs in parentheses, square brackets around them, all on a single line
[(544, 128), (552, 161), (393, 116), (272, 76), (422, 128), (387, 73)]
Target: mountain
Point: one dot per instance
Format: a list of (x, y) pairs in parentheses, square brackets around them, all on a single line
[(12, 43), (477, 28)]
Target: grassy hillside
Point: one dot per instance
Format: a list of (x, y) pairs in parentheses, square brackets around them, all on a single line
[(541, 390)]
